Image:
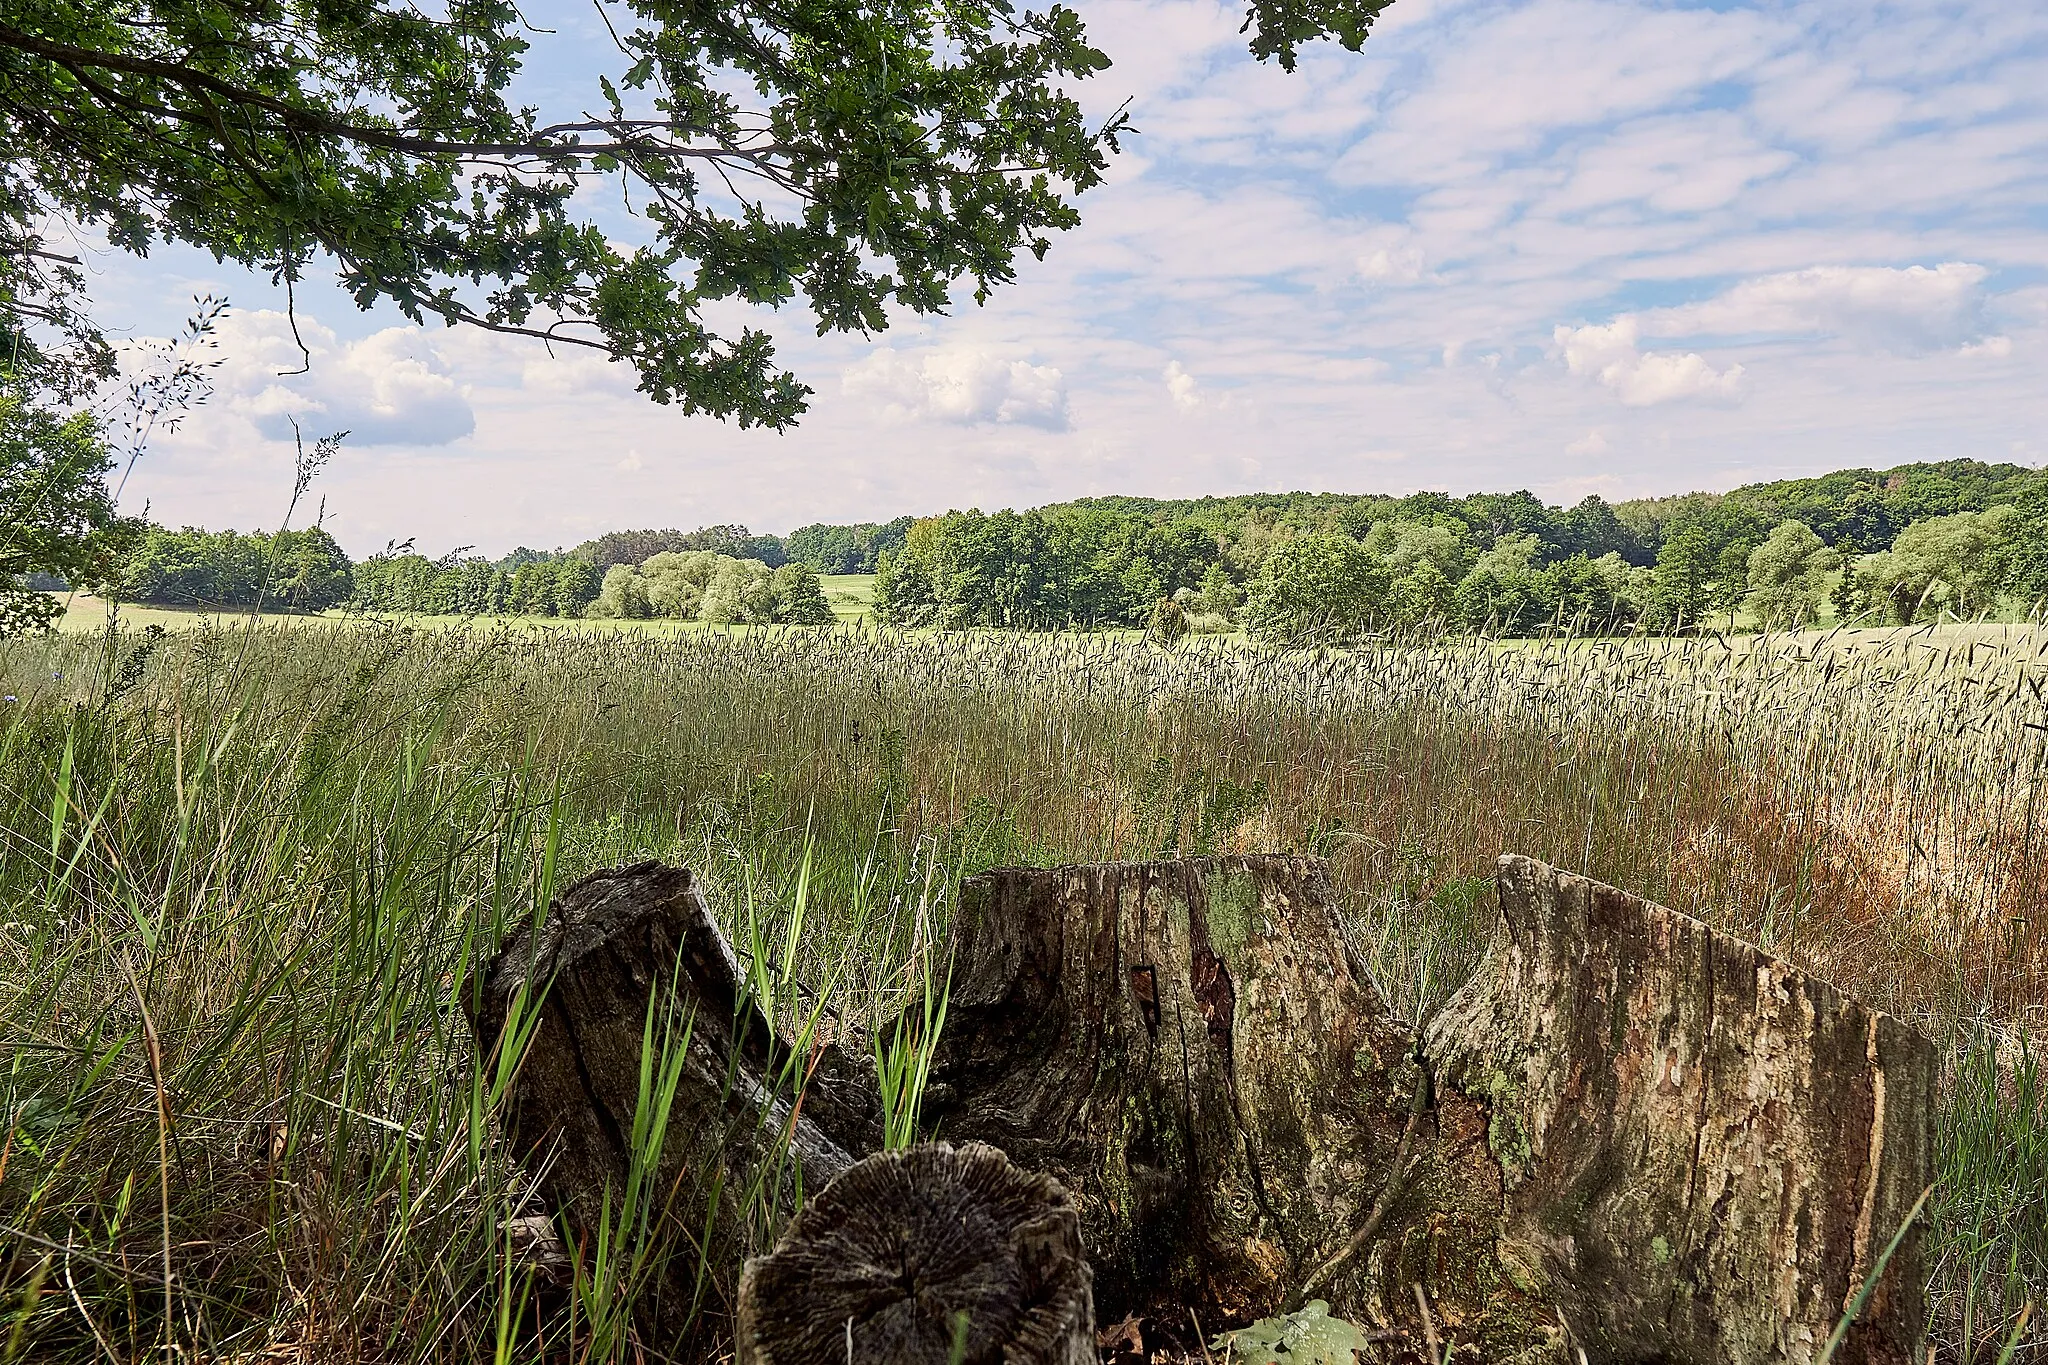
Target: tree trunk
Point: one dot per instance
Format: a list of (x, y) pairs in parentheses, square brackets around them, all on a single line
[(1705, 1150), (933, 1256)]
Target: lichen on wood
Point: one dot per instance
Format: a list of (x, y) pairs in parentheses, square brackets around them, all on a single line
[(1703, 1148)]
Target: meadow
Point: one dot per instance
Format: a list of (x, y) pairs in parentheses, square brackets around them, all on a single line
[(247, 870)]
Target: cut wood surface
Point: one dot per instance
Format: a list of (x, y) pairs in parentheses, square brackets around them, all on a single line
[(617, 949), (1628, 1136), (938, 1255)]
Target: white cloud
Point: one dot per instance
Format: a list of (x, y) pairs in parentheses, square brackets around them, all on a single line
[(1305, 248), (967, 386), (1641, 379), (1991, 348), (1391, 265), (1912, 309), (389, 388)]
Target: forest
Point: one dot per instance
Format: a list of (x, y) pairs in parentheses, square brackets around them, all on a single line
[(1957, 539)]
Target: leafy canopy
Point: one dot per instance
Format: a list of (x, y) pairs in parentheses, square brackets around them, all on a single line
[(857, 155), (55, 514)]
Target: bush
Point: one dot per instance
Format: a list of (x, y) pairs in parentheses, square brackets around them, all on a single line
[(1168, 623)]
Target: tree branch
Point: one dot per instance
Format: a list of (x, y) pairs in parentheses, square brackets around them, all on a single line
[(625, 132)]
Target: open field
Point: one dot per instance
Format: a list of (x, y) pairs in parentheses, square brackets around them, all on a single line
[(852, 597), (245, 871)]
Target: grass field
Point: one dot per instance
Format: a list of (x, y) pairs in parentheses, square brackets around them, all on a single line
[(852, 597), (245, 872)]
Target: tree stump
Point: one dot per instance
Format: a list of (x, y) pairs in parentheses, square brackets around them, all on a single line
[(930, 1256), (1627, 1136), (1704, 1150), (615, 947), (1190, 1048)]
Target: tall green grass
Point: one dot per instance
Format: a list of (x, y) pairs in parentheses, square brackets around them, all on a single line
[(245, 874)]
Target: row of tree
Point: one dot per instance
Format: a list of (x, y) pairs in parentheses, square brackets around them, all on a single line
[(307, 571), (851, 549), (1500, 563), (294, 570)]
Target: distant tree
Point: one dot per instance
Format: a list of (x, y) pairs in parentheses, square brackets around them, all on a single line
[(1424, 596), (799, 597), (1218, 595), (1682, 591), (309, 572), (741, 593), (467, 587), (530, 591), (576, 585), (172, 568), (2021, 563), (1499, 516), (1592, 528), (1788, 576), (405, 582), (829, 549), (1505, 592), (905, 593), (675, 583), (622, 596), (1443, 542), (630, 547), (1952, 564), (1313, 590)]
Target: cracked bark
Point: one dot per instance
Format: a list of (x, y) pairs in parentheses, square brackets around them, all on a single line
[(614, 946), (1704, 1150), (1627, 1135), (1192, 1051)]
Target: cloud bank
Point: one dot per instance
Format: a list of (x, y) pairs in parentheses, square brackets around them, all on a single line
[(1570, 245)]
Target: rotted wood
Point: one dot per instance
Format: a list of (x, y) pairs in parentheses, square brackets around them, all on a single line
[(1627, 1136), (1705, 1151), (939, 1255), (617, 948), (1191, 1049)]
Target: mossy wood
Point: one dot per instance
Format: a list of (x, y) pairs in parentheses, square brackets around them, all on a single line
[(1704, 1149), (1190, 1048), (1627, 1136), (939, 1255)]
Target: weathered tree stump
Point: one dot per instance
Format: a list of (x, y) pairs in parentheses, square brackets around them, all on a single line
[(924, 1257), (1190, 1048), (1704, 1150), (1627, 1136), (614, 947)]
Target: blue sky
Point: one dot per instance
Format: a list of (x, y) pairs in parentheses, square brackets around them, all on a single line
[(1569, 245)]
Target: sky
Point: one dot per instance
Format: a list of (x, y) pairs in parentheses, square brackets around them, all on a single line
[(1574, 246)]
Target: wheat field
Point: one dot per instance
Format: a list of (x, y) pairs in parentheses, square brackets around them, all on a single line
[(246, 869)]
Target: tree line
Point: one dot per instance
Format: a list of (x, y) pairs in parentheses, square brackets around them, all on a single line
[(307, 571), (1958, 538)]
